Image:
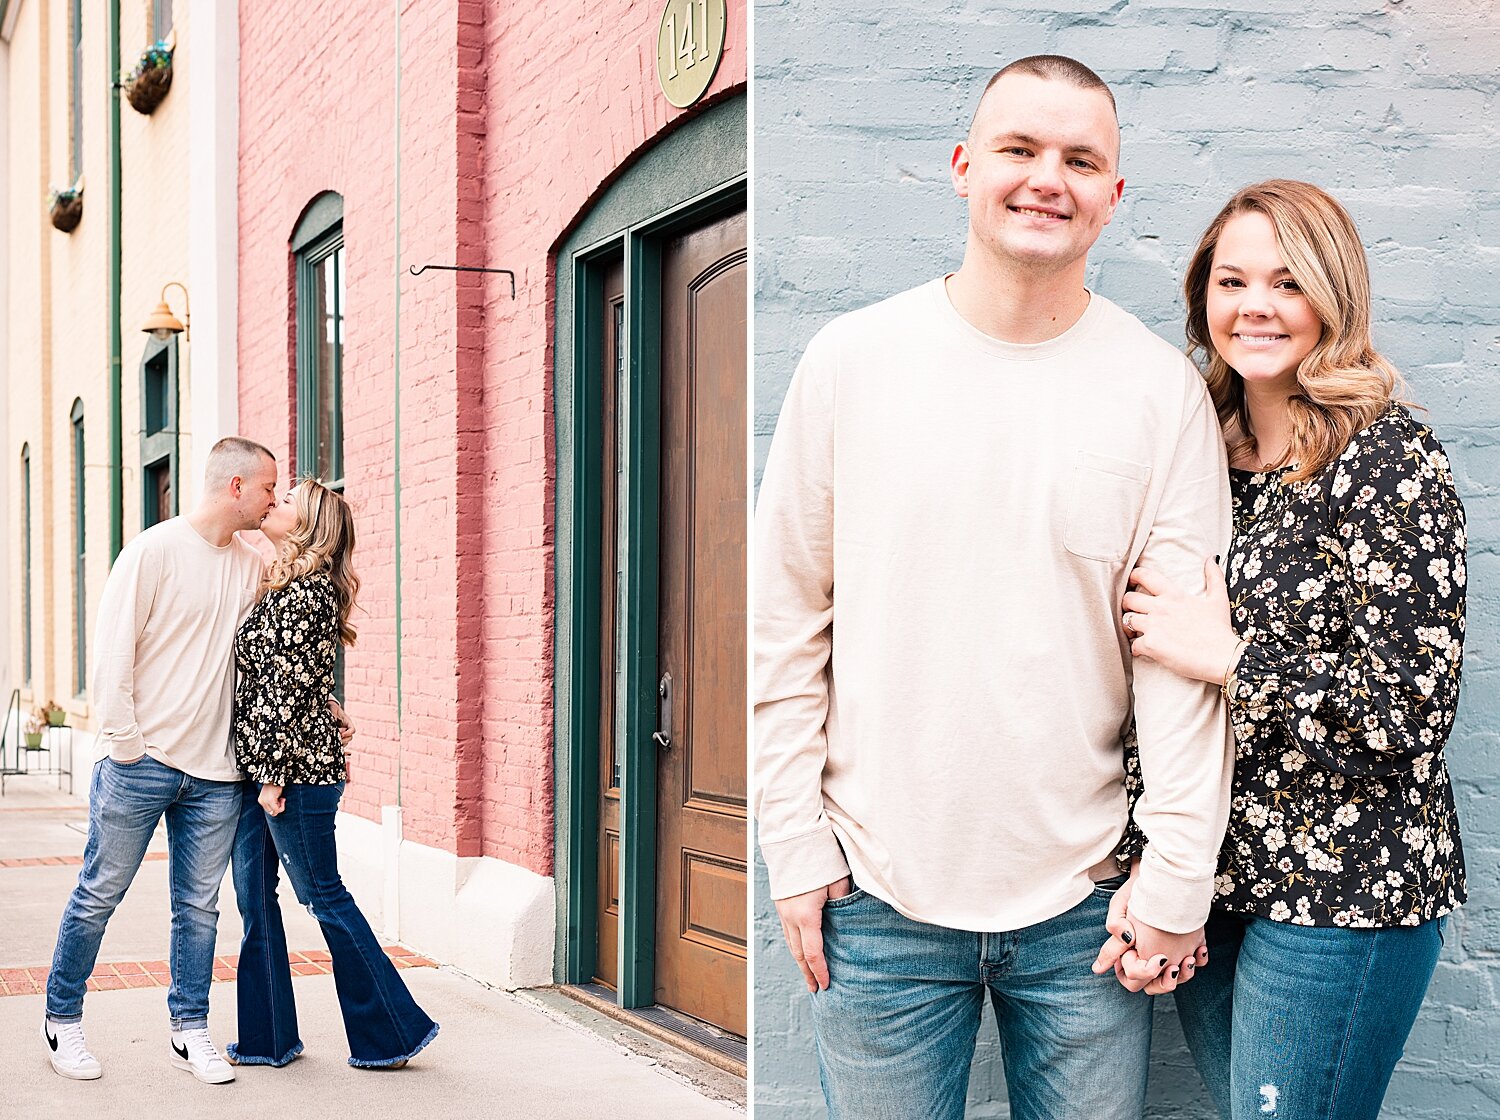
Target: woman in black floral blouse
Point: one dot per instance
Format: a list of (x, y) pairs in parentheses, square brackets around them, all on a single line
[(287, 742), (1338, 642)]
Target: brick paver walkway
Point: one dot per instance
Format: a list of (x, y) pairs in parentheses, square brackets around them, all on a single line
[(65, 861), (157, 974)]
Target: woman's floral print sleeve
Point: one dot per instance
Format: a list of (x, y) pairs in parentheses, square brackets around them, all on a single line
[(285, 724), (1390, 563)]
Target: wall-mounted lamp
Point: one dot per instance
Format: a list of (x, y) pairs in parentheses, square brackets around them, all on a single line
[(163, 324)]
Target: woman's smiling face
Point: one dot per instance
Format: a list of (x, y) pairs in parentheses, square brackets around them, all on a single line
[(1258, 317)]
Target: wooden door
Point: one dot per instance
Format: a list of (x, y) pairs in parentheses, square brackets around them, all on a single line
[(701, 804), (611, 379)]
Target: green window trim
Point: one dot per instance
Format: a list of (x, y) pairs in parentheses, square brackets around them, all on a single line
[(160, 438), (318, 241), (318, 249), (80, 551)]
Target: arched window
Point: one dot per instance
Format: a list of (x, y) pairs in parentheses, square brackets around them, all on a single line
[(318, 248), (80, 546), (26, 563)]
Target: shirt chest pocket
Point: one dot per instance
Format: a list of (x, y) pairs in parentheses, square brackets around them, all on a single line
[(1104, 500)]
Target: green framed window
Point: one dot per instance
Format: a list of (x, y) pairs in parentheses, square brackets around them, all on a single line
[(159, 441), (26, 563), (318, 252), (80, 556), (318, 248), (75, 91)]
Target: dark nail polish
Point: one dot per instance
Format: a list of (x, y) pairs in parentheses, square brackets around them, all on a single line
[(1160, 962), (1174, 974), (1216, 558), (1191, 966), (1127, 937)]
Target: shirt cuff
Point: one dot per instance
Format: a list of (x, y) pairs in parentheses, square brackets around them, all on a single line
[(265, 775), (1257, 676), (804, 863), (124, 748), (1167, 901)]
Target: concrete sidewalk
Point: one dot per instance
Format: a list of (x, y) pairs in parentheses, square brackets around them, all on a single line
[(526, 1054)]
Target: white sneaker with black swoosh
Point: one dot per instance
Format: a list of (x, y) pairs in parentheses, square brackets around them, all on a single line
[(195, 1052), (69, 1053)]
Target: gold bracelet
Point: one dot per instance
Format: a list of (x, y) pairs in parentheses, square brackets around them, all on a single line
[(1232, 670)]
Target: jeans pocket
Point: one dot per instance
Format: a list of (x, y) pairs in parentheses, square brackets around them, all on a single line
[(849, 899), (1108, 888), (128, 765)]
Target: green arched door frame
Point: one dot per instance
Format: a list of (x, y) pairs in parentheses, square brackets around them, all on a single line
[(694, 173)]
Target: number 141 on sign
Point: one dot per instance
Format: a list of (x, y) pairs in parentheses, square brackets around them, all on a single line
[(691, 44)]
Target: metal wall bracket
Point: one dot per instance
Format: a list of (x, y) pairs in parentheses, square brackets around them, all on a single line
[(415, 271)]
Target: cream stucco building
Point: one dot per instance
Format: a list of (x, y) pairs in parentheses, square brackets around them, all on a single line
[(105, 426)]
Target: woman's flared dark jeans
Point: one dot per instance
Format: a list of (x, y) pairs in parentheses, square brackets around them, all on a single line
[(382, 1021)]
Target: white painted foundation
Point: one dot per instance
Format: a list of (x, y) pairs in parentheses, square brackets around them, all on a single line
[(488, 918)]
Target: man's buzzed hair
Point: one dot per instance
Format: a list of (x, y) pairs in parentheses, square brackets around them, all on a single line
[(233, 455), (1057, 68)]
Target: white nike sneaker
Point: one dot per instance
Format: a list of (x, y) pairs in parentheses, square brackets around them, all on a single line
[(69, 1052), (195, 1052)]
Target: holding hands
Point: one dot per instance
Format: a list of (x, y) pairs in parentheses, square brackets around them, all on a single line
[(1188, 633), (1145, 958), (1191, 635)]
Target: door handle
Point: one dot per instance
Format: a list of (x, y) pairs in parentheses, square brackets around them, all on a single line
[(662, 736)]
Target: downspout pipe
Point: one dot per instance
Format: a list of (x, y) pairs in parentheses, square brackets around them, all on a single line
[(116, 194), (396, 415)]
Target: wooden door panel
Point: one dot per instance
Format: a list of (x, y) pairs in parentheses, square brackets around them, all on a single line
[(713, 901), (701, 786), (716, 778)]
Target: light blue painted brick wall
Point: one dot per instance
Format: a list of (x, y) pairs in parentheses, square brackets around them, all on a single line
[(1392, 106)]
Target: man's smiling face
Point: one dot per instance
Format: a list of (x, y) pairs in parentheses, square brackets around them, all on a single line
[(1039, 171)]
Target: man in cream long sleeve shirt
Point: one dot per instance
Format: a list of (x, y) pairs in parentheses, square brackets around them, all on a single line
[(961, 480), (163, 687)]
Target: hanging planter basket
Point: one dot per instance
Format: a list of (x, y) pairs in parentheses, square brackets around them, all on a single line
[(146, 86), (66, 207)]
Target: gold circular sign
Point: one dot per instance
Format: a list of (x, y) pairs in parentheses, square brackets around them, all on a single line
[(689, 45)]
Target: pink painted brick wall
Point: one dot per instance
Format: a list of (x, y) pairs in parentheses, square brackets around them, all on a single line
[(513, 118)]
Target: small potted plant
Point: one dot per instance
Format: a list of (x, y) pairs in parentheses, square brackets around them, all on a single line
[(147, 84), (65, 206), (32, 733), (53, 713)]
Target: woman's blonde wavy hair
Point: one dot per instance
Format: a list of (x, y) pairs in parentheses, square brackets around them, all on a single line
[(321, 541), (1343, 383)]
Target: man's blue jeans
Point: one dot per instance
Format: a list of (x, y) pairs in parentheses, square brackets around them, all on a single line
[(125, 803), (1290, 1022), (383, 1023), (897, 1026)]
